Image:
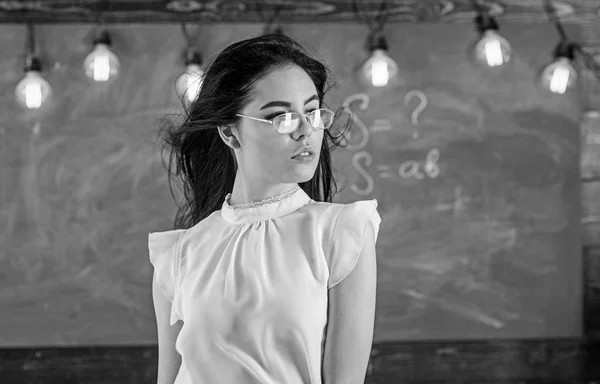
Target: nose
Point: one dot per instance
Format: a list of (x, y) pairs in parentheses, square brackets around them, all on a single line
[(304, 127)]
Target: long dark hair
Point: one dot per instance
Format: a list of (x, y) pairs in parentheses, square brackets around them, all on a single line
[(196, 153)]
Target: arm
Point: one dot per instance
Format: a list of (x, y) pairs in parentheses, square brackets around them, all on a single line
[(351, 318), (168, 358)]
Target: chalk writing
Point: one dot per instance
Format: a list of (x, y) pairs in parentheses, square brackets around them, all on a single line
[(457, 206), (414, 116), (411, 169), (381, 125), (364, 104), (414, 169), (363, 172), (384, 171), (408, 169)]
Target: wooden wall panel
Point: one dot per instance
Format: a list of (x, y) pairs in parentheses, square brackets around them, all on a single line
[(153, 11)]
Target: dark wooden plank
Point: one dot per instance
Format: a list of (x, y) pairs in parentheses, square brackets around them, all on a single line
[(480, 362), (52, 11), (592, 363), (98, 365), (484, 361), (591, 298)]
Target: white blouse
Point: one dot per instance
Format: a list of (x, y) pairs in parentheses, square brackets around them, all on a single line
[(250, 284)]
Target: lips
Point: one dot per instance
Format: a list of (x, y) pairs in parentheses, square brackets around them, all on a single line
[(304, 149)]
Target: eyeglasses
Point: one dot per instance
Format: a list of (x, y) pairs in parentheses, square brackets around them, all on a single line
[(288, 122)]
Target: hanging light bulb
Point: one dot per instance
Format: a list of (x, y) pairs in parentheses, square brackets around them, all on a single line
[(32, 91), (560, 76), (491, 50), (101, 64), (379, 69), (188, 83)]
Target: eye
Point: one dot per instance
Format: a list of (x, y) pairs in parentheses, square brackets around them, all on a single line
[(274, 115)]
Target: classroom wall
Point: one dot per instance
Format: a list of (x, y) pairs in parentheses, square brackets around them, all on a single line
[(83, 184)]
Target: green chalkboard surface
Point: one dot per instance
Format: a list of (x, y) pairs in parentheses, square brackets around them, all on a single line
[(477, 178), (476, 175)]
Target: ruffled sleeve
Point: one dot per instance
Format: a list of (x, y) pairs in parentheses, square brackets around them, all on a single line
[(165, 255), (348, 236)]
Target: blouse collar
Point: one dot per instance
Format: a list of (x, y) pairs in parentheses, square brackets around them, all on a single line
[(269, 208)]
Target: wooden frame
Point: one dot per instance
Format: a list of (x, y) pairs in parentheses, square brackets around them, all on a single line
[(297, 11)]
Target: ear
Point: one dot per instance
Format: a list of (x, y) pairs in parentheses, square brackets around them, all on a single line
[(229, 134)]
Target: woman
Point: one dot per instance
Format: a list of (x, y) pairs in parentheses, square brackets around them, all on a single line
[(263, 281)]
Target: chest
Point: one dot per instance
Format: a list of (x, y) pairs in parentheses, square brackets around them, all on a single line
[(282, 281)]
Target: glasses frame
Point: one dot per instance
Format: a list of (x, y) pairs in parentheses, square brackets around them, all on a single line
[(299, 114)]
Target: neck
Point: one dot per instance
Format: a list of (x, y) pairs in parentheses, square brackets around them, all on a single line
[(243, 193)]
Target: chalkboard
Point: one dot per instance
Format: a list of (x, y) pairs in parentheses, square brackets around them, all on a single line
[(484, 245)]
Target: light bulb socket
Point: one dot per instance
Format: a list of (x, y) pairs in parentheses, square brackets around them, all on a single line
[(103, 38), (32, 63), (377, 41), (565, 49), (192, 56), (485, 22)]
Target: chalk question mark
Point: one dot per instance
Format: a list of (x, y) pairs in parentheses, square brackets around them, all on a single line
[(414, 116)]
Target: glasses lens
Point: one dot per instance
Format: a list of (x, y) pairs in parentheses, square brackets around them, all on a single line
[(287, 122), (321, 118)]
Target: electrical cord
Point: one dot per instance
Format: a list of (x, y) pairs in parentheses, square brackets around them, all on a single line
[(588, 58), (377, 23)]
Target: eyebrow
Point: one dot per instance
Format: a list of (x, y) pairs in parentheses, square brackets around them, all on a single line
[(286, 104)]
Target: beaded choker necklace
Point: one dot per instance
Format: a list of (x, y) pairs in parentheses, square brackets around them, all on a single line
[(268, 200)]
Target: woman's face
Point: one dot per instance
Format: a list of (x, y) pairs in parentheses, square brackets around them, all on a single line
[(265, 156)]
